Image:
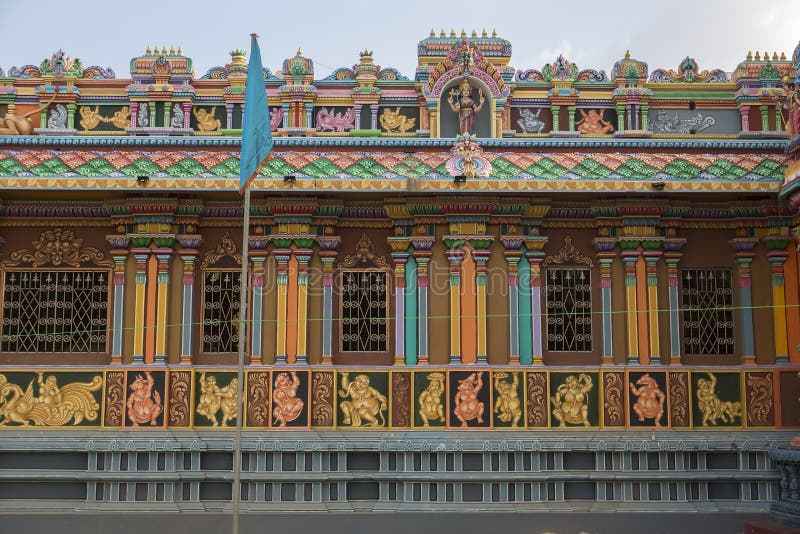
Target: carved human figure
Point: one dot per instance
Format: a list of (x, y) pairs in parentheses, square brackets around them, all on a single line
[(228, 403), (530, 122), (467, 405), (54, 405), (366, 404), (465, 107), (286, 405), (711, 406), (144, 404), (430, 402), (507, 403), (793, 102), (210, 398), (649, 399), (206, 122), (592, 123), (49, 394), (90, 118), (571, 400), (58, 117), (393, 121)]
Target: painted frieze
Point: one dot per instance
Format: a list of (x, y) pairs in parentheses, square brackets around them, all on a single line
[(679, 410), (215, 399), (50, 399), (614, 399), (470, 399), (401, 399), (257, 393), (759, 395), (647, 399), (180, 398), (509, 399), (363, 399), (145, 398), (430, 399), (323, 399), (574, 399), (538, 413), (290, 399)]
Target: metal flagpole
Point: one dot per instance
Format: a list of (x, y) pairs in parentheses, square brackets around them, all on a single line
[(237, 447)]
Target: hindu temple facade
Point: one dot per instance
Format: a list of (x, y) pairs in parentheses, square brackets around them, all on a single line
[(484, 285)]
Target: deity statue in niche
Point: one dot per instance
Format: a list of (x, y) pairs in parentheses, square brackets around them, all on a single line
[(461, 102), (793, 103)]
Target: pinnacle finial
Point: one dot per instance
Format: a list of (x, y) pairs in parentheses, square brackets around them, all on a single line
[(463, 32), (494, 33), (299, 51), (147, 50), (442, 33), (452, 32), (180, 50), (433, 33), (171, 50), (474, 33), (758, 55), (783, 56), (774, 56), (163, 50), (749, 55), (627, 54), (484, 34)]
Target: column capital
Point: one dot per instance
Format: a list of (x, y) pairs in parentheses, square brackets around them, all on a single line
[(743, 244)]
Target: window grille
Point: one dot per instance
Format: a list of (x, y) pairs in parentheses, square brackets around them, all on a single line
[(363, 317), (55, 311), (569, 310), (707, 302), (221, 293)]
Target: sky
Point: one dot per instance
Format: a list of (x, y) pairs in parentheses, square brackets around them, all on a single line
[(590, 33)]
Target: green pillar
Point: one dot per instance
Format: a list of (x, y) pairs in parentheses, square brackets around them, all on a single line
[(43, 118), (571, 110), (71, 109), (555, 110), (764, 118), (620, 118), (167, 114), (645, 110)]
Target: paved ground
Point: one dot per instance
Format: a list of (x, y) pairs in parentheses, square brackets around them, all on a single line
[(380, 523)]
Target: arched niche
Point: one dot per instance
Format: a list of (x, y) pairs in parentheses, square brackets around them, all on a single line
[(448, 119)]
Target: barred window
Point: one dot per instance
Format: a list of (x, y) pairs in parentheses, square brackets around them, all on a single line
[(568, 293), (363, 317), (707, 302), (221, 294), (55, 311)]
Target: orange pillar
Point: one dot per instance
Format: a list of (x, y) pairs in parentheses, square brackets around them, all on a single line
[(642, 325), (151, 313), (291, 312), (469, 309), (792, 302)]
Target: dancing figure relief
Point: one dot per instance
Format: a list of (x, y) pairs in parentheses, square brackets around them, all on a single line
[(393, 121), (214, 399), (467, 406), (286, 405), (507, 404), (206, 122), (366, 405), (530, 121), (592, 123), (713, 409), (571, 400), (144, 405), (649, 399), (431, 405), (52, 405)]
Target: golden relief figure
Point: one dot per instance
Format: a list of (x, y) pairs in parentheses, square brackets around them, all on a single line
[(393, 121), (366, 403), (206, 121), (649, 399), (571, 400), (54, 405), (214, 399), (91, 118), (507, 403), (121, 119), (430, 402), (710, 405)]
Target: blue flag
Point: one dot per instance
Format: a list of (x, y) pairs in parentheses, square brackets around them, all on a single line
[(256, 133)]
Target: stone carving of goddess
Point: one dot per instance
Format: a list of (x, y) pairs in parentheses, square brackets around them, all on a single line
[(465, 107)]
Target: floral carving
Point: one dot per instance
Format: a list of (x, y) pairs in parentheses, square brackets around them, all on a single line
[(57, 247), (115, 392), (537, 401), (226, 248), (760, 406), (401, 399), (679, 399), (179, 398), (612, 390), (258, 399), (322, 399), (567, 254)]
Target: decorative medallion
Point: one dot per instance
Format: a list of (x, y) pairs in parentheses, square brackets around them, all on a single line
[(257, 394), (567, 254), (679, 399), (180, 389), (226, 248), (322, 399), (537, 399), (364, 255), (401, 399), (613, 397), (115, 398), (759, 396)]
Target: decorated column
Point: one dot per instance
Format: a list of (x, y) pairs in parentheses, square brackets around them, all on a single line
[(168, 114), (422, 255), (400, 255), (303, 257), (605, 257), (535, 259), (481, 258), (455, 256), (629, 258), (152, 114), (119, 245), (188, 254), (258, 259), (672, 256), (187, 114), (744, 111), (282, 280), (327, 253), (744, 246), (651, 258), (164, 257), (776, 247), (141, 295), (513, 255), (134, 113)]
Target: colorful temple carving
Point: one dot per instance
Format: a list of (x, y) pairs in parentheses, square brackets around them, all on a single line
[(477, 246)]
